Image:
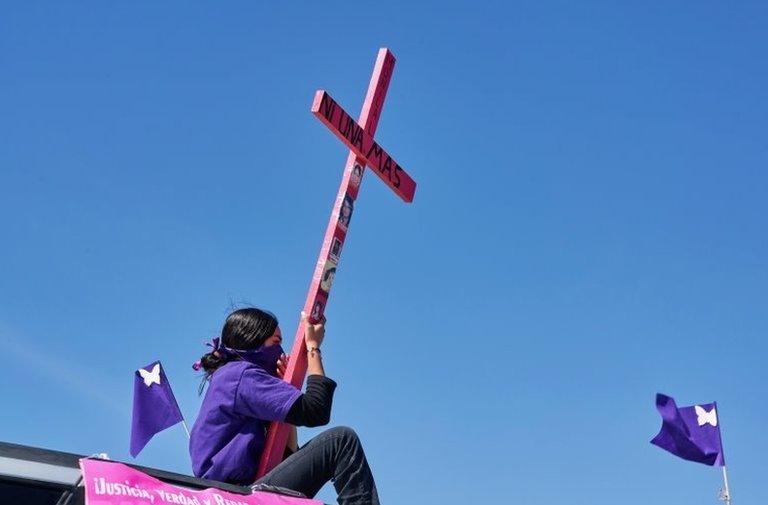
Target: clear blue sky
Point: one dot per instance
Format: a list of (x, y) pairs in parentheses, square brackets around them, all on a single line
[(589, 229)]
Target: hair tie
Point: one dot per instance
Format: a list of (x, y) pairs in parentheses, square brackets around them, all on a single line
[(215, 345)]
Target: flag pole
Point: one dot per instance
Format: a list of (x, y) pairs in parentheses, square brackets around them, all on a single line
[(725, 494), (183, 421), (186, 428)]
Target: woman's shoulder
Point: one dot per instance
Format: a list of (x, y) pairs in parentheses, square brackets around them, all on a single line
[(235, 370), (235, 366), (230, 372)]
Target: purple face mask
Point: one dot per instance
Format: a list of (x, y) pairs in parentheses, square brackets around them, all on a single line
[(264, 357)]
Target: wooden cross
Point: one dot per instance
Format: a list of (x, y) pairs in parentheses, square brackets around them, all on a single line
[(364, 150)]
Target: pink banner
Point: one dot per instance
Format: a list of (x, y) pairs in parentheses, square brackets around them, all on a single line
[(110, 483)]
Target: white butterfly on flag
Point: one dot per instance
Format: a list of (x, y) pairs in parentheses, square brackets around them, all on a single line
[(151, 377), (703, 417)]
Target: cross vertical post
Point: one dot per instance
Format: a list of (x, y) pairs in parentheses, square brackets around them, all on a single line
[(364, 150)]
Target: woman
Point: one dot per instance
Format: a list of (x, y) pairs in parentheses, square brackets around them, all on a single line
[(245, 393)]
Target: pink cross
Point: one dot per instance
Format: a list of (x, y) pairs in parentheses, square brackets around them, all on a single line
[(364, 150)]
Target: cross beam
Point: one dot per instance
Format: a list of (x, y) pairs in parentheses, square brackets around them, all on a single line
[(362, 144), (364, 150)]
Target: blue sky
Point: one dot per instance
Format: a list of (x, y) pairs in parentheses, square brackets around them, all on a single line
[(588, 229)]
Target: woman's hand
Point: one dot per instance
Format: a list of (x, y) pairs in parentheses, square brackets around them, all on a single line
[(282, 365), (313, 337), (313, 333)]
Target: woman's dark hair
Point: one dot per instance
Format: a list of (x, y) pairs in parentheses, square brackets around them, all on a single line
[(244, 329)]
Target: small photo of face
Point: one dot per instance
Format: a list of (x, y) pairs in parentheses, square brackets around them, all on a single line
[(345, 215), (326, 281), (317, 311), (357, 175), (335, 251)]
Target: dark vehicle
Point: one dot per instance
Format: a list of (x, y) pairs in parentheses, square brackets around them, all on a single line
[(32, 476)]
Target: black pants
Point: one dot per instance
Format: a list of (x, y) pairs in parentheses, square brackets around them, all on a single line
[(334, 455)]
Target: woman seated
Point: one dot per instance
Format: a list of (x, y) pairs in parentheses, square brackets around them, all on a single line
[(246, 392)]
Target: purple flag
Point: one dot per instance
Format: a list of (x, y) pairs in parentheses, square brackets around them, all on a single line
[(154, 406), (691, 433)]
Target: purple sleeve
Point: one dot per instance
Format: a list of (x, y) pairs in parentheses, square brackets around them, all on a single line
[(263, 396)]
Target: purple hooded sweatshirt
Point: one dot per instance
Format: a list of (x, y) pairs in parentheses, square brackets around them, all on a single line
[(229, 433)]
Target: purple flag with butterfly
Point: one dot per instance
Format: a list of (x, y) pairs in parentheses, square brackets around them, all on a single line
[(154, 406), (691, 433)]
